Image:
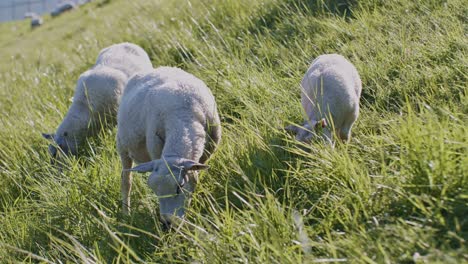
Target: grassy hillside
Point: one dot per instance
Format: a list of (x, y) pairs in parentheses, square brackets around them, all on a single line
[(397, 193)]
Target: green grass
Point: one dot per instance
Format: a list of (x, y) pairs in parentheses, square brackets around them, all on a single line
[(397, 193)]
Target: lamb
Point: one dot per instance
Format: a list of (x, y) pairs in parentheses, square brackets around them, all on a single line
[(97, 95), (63, 7), (36, 20), (168, 122), (29, 14), (331, 89)]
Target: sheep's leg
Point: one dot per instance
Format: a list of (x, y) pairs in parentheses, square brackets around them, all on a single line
[(126, 184), (345, 131), (345, 134)]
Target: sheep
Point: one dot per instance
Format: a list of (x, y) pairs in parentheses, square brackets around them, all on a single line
[(30, 15), (97, 96), (331, 89), (63, 7), (36, 20), (168, 122)]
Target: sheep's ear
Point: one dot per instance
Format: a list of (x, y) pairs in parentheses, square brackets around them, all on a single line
[(144, 167), (193, 165), (48, 136), (292, 129)]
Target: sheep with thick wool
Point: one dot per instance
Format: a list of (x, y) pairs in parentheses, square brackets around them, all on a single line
[(169, 123), (97, 96), (330, 94)]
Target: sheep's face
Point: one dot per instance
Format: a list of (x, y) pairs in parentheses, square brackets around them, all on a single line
[(173, 180), (62, 144), (308, 131)]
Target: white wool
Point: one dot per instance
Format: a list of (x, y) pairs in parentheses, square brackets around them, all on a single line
[(125, 57), (97, 94), (167, 119), (331, 89)]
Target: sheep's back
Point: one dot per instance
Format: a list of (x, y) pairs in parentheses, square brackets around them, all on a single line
[(126, 57), (154, 98), (331, 84), (168, 89), (100, 88), (335, 65)]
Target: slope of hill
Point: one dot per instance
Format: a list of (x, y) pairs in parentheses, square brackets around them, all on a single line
[(397, 193)]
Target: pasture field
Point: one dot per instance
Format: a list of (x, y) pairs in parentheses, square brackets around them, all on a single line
[(397, 193)]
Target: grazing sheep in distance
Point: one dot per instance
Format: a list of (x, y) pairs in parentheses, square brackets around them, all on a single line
[(36, 20), (331, 89), (63, 7), (30, 14), (97, 95), (82, 2), (168, 122)]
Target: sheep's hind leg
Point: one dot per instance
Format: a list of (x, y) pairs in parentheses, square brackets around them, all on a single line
[(126, 183), (345, 133), (345, 130)]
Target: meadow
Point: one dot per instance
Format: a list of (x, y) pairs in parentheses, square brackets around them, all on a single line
[(397, 193)]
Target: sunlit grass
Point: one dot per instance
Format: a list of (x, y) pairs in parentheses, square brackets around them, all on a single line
[(397, 193)]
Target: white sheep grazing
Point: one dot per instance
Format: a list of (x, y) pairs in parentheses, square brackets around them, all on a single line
[(36, 20), (331, 89), (97, 95), (168, 122)]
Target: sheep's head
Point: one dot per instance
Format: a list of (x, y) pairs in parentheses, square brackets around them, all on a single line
[(173, 180), (61, 144), (307, 132)]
